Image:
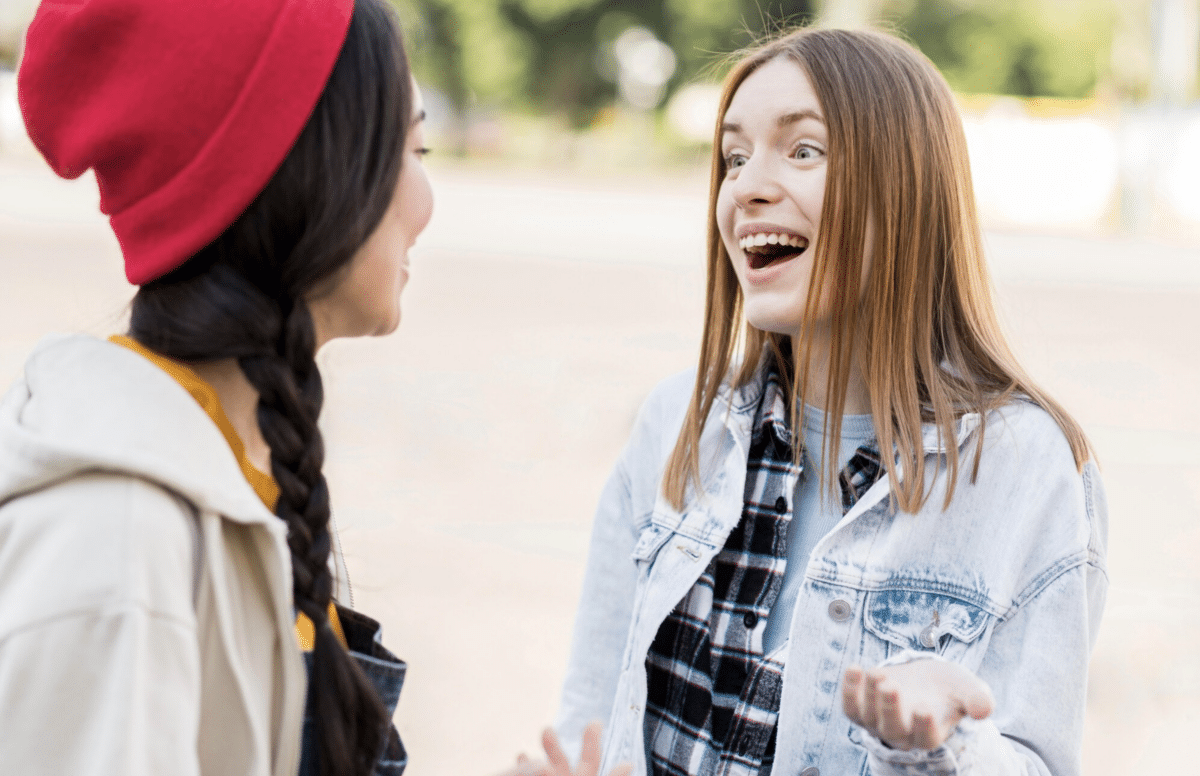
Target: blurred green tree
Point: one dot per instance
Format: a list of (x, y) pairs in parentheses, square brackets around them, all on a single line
[(554, 56), (1024, 48), (548, 56)]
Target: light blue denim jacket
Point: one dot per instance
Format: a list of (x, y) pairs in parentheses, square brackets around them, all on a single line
[(1014, 571)]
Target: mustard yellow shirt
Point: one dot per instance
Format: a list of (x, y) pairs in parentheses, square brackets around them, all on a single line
[(264, 484)]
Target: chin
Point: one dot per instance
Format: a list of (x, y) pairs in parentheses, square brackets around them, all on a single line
[(774, 323)]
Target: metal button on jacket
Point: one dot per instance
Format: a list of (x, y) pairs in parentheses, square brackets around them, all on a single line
[(750, 620), (929, 634), (840, 611)]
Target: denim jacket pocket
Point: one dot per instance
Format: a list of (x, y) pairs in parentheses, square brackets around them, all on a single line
[(926, 621)]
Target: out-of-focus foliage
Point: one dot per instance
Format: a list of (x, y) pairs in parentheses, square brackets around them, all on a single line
[(550, 55), (559, 58), (1026, 48)]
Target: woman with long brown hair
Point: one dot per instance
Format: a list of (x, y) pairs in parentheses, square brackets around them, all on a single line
[(858, 538)]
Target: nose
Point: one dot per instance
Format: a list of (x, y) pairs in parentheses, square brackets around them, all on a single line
[(756, 183)]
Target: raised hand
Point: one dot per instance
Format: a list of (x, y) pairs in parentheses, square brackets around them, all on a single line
[(557, 762), (914, 705)]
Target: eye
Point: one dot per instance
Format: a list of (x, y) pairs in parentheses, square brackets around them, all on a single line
[(808, 152), (734, 160), (422, 151)]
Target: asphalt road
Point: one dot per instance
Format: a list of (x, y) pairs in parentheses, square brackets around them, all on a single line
[(467, 450)]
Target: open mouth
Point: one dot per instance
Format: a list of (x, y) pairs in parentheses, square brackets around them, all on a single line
[(763, 250)]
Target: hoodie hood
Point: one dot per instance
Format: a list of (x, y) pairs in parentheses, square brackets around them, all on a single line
[(85, 404)]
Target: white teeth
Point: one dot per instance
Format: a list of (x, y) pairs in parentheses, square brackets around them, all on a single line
[(772, 238)]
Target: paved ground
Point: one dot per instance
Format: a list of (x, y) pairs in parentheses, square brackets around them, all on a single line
[(466, 452)]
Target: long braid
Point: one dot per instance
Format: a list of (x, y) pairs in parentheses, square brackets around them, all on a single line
[(243, 296), (290, 399)]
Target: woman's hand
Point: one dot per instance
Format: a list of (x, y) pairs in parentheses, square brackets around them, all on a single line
[(557, 763), (914, 705)]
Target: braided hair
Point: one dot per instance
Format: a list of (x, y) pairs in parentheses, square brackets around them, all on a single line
[(244, 296)]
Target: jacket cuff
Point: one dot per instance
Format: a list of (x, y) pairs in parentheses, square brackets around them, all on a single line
[(885, 761), (975, 748)]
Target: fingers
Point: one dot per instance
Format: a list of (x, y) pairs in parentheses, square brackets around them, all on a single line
[(970, 695), (870, 701), (892, 726), (852, 687), (560, 765), (925, 734), (875, 707), (979, 703), (865, 703), (527, 767), (589, 759), (559, 761)]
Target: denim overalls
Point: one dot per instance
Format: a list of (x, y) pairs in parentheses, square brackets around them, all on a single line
[(386, 672)]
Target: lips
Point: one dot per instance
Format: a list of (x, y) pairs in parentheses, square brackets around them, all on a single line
[(764, 248)]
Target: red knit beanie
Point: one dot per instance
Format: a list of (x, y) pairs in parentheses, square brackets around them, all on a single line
[(184, 108)]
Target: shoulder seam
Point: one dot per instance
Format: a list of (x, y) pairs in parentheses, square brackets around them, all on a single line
[(124, 609)]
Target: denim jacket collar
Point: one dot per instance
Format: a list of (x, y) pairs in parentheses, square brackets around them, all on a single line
[(736, 406)]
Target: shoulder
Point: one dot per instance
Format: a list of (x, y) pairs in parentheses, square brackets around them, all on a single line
[(1021, 439), (113, 505), (669, 398), (88, 405), (660, 417), (96, 542), (1035, 498)]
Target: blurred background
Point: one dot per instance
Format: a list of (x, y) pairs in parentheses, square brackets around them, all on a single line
[(562, 277)]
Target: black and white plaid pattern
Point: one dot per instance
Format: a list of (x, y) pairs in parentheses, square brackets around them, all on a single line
[(712, 696), (861, 472)]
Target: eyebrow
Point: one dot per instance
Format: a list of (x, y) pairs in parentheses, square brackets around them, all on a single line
[(419, 117), (786, 119)]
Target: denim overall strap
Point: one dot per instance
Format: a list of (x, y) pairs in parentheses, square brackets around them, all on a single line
[(386, 673)]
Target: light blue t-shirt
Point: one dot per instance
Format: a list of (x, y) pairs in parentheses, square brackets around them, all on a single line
[(811, 518)]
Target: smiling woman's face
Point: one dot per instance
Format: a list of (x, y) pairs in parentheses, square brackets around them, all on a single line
[(774, 143), (366, 300)]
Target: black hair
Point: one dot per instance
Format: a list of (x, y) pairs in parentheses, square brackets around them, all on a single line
[(244, 296)]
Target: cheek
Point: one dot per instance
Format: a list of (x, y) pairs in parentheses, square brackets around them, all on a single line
[(371, 278), (814, 198), (416, 197), (725, 211)]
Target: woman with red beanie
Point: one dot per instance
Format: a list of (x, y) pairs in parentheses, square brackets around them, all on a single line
[(168, 604)]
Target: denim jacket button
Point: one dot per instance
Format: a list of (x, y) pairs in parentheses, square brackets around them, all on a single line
[(811, 772), (840, 611), (750, 620)]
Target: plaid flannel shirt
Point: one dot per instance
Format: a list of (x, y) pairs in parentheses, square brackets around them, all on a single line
[(713, 696)]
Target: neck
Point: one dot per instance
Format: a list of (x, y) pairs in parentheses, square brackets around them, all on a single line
[(816, 387), (239, 399)]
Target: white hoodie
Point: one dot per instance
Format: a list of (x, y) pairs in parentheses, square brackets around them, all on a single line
[(146, 622)]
